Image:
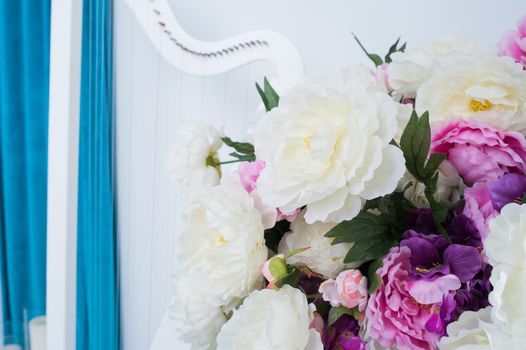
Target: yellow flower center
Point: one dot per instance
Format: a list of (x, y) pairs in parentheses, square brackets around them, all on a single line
[(221, 240), (421, 270), (212, 160), (476, 105)]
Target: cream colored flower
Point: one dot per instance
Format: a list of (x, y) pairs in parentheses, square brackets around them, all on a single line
[(506, 248), (327, 147), (192, 161), (468, 332), (222, 245), (322, 257), (491, 90), (270, 319), (196, 321), (409, 70), (450, 187)]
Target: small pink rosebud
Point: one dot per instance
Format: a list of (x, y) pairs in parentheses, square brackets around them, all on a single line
[(349, 290), (274, 268)]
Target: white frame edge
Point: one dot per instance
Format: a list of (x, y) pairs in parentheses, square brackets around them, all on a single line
[(64, 109)]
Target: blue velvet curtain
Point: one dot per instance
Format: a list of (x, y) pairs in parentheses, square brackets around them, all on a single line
[(97, 289), (24, 77)]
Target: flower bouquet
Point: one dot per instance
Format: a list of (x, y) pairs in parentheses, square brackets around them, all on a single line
[(369, 208)]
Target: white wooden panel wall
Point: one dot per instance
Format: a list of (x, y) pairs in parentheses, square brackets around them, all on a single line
[(152, 97)]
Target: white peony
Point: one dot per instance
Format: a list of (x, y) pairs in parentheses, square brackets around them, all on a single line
[(506, 249), (468, 332), (271, 320), (192, 161), (222, 244), (321, 257), (450, 187), (327, 147), (195, 320), (409, 70), (491, 90)]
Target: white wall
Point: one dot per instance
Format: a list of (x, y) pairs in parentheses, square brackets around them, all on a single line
[(152, 97)]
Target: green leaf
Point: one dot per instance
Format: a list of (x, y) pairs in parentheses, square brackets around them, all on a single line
[(268, 95), (240, 147), (370, 249), (292, 278), (336, 312), (394, 48), (434, 161), (263, 96), (377, 60), (415, 144), (364, 226), (272, 95), (273, 235), (243, 157), (440, 210), (372, 277), (523, 201)]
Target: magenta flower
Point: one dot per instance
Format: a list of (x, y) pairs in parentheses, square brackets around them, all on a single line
[(485, 199), (479, 152), (342, 335), (513, 43), (395, 319)]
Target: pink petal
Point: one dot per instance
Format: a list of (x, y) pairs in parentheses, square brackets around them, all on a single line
[(432, 292)]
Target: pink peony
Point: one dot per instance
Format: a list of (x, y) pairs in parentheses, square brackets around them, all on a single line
[(249, 174), (479, 207), (349, 290), (513, 43), (395, 319), (479, 152)]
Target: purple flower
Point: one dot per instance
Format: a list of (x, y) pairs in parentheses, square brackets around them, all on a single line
[(445, 313), (473, 295), (340, 333), (432, 256), (463, 231), (485, 199), (348, 341), (509, 188), (421, 220)]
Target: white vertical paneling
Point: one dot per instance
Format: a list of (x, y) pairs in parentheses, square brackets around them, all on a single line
[(152, 97)]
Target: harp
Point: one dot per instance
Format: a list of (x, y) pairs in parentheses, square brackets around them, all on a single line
[(162, 74)]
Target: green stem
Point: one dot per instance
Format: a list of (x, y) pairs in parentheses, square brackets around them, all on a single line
[(233, 161)]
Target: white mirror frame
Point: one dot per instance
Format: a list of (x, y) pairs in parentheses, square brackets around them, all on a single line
[(177, 47)]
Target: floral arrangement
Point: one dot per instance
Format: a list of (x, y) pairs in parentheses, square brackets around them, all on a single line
[(369, 208)]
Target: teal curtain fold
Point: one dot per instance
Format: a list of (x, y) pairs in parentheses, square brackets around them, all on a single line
[(97, 289), (24, 79)]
